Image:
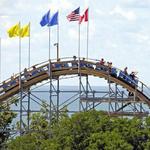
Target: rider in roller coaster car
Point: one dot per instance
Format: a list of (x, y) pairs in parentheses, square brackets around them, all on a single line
[(126, 70), (133, 82), (34, 71), (102, 62), (125, 74), (5, 85), (109, 64), (65, 65), (58, 65), (101, 65), (82, 63), (134, 79), (13, 81), (113, 72), (27, 74), (74, 62)]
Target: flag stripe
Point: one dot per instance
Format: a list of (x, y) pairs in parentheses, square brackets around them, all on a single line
[(74, 15)]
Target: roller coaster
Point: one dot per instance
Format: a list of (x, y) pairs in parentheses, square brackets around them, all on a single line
[(124, 96)]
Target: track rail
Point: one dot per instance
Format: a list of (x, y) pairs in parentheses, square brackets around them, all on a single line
[(69, 66)]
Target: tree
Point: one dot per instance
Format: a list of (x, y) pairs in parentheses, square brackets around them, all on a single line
[(85, 131), (6, 117), (108, 141)]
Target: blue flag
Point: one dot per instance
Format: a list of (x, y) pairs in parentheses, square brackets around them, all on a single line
[(54, 20), (45, 19)]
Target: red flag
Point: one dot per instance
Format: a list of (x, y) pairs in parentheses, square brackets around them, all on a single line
[(84, 17), (81, 19)]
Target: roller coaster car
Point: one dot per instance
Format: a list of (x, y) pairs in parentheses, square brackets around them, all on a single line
[(4, 87), (10, 87), (1, 89), (36, 74), (101, 67), (74, 64), (89, 66), (127, 79), (121, 76), (65, 66), (83, 63), (113, 72), (57, 66)]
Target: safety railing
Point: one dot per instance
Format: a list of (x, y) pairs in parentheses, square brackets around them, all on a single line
[(67, 63)]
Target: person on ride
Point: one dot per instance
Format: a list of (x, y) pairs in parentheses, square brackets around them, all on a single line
[(109, 64), (102, 62), (13, 80), (34, 71), (82, 63), (58, 65), (132, 75), (125, 71), (26, 73), (5, 85), (74, 63), (134, 78)]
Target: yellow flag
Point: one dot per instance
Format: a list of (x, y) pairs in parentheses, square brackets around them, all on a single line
[(25, 31), (14, 30)]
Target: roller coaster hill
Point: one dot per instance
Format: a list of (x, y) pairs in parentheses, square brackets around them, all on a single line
[(134, 102)]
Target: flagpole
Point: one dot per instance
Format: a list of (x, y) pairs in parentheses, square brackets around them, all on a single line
[(79, 69), (20, 88), (0, 58), (57, 60), (58, 39), (79, 48), (29, 45), (50, 83), (29, 49), (49, 55), (87, 54), (19, 51)]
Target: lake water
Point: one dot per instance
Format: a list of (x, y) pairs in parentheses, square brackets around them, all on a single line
[(68, 97)]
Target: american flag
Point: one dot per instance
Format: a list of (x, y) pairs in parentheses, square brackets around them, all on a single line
[(74, 15)]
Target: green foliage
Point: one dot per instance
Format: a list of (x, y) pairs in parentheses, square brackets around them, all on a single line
[(85, 131), (6, 117), (108, 140)]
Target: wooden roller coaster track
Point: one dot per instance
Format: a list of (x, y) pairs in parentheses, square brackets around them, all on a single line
[(67, 67)]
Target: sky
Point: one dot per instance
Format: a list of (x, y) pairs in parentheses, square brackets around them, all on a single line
[(119, 31)]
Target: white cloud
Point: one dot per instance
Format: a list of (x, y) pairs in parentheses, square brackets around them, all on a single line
[(107, 37), (137, 3), (140, 37), (99, 12), (129, 15), (86, 3), (73, 33), (63, 5), (114, 45)]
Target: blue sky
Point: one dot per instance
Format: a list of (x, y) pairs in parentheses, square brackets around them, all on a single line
[(119, 32)]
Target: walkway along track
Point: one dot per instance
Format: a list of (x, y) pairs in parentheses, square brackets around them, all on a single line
[(70, 67)]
